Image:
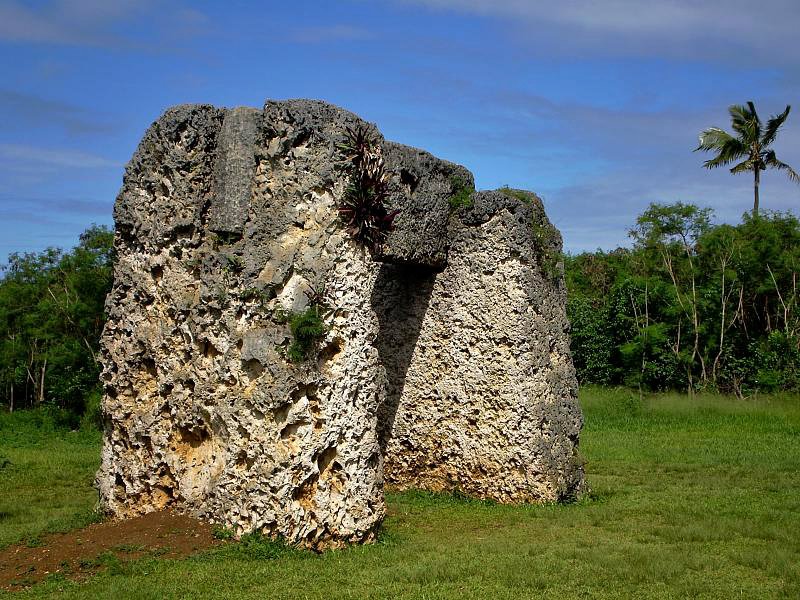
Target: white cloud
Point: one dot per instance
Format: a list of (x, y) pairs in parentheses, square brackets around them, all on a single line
[(99, 23), (78, 22), (25, 111), (330, 33), (26, 158), (735, 30)]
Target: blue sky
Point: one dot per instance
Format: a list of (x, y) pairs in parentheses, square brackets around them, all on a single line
[(595, 105)]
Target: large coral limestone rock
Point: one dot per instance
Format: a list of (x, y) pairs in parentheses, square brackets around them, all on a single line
[(444, 364)]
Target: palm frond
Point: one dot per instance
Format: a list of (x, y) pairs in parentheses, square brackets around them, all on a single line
[(772, 162), (753, 112), (745, 122), (713, 138), (773, 125), (744, 167), (728, 149)]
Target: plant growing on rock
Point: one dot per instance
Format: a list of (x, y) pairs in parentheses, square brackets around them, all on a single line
[(260, 296), (520, 195), (234, 263), (551, 259), (362, 208), (307, 328), (462, 193)]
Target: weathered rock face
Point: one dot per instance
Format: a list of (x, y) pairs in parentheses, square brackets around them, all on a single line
[(444, 365), (482, 392)]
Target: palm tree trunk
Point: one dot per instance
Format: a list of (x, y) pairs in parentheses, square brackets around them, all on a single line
[(755, 192)]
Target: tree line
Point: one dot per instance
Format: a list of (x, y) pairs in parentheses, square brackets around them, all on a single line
[(51, 317), (690, 305)]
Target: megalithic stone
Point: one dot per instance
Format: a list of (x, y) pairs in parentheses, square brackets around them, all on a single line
[(482, 395), (444, 363)]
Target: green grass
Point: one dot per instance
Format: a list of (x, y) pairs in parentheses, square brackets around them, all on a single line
[(521, 195), (692, 497), (46, 475)]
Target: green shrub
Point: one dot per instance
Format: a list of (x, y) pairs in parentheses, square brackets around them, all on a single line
[(462, 193), (307, 329)]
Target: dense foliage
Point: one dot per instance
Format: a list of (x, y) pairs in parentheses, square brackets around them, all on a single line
[(691, 305), (51, 316), (307, 328)]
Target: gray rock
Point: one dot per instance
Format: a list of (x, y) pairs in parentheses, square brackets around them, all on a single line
[(482, 395), (234, 170), (444, 363), (421, 190)]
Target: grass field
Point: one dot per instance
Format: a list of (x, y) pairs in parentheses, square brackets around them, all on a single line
[(46, 476), (692, 497)]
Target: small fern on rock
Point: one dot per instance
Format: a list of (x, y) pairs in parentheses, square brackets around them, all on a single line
[(307, 328)]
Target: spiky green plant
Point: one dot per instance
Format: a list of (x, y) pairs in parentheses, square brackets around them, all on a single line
[(751, 142), (362, 208)]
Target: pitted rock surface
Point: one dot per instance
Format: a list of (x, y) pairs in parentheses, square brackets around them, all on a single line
[(482, 391), (421, 188), (444, 365)]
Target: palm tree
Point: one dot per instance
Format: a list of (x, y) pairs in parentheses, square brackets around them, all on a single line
[(751, 143)]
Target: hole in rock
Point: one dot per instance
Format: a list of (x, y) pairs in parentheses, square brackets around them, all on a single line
[(208, 350), (408, 179), (119, 486), (252, 368), (304, 391), (149, 366), (305, 492), (292, 428), (157, 272), (243, 461), (330, 351), (325, 458), (302, 138), (161, 496), (192, 438), (280, 413)]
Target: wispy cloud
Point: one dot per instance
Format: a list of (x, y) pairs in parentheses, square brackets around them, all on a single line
[(118, 24), (329, 33), (27, 110), (38, 207), (74, 22), (714, 29), (21, 156)]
